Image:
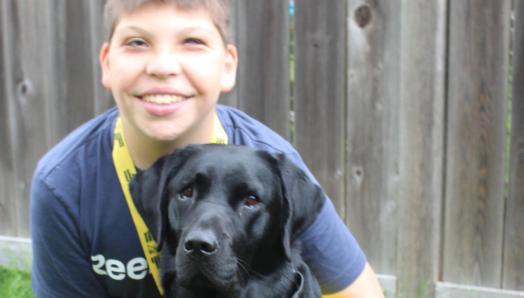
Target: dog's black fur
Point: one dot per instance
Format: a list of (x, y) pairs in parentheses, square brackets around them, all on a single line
[(226, 220)]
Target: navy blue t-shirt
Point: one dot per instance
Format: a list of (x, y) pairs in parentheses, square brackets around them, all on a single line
[(84, 240)]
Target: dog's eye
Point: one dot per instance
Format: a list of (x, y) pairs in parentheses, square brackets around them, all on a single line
[(251, 201), (187, 193)]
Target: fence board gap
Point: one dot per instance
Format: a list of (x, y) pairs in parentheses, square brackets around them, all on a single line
[(513, 278), (8, 194)]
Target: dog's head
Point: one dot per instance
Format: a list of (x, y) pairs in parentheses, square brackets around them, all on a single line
[(225, 211)]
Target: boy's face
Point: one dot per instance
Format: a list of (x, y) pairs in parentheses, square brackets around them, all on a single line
[(166, 68)]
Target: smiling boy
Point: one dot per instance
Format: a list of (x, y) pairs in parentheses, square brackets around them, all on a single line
[(166, 64)]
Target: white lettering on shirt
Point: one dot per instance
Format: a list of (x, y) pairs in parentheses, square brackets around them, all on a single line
[(115, 269), (135, 269)]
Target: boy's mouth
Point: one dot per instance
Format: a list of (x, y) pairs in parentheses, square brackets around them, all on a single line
[(163, 99)]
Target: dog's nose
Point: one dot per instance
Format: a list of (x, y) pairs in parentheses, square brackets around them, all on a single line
[(201, 242)]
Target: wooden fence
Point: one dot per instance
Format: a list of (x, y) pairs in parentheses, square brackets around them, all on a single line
[(400, 108)]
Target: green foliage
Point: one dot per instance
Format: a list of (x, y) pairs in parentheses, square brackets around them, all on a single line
[(15, 284)]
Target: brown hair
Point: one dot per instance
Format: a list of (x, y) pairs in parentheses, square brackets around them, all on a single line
[(219, 10)]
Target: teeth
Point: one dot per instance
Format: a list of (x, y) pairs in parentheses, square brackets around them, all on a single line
[(162, 99)]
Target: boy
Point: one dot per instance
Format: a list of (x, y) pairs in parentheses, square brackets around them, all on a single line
[(166, 63)]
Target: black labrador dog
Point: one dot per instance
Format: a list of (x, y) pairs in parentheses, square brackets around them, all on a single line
[(226, 220)]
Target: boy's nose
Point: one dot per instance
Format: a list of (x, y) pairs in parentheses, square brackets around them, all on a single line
[(163, 65)]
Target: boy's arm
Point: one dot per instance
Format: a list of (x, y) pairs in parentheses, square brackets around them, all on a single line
[(366, 285), (60, 265)]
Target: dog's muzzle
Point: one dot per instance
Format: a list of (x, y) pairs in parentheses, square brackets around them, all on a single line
[(201, 243)]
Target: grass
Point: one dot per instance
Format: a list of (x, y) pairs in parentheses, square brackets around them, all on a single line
[(15, 284)]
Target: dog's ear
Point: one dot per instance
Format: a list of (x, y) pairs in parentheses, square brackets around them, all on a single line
[(302, 197), (149, 191)]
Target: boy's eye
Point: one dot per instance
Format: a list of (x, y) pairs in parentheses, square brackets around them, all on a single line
[(193, 41), (136, 42)]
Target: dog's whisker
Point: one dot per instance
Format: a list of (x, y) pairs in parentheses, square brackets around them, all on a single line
[(245, 266), (242, 266)]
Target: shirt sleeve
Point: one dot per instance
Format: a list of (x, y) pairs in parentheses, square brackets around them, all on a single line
[(331, 251), (61, 267)]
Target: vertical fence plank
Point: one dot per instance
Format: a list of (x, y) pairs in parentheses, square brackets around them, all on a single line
[(263, 74), (28, 79), (513, 277), (320, 92), (372, 129), (423, 60), (72, 61), (476, 110), (8, 223)]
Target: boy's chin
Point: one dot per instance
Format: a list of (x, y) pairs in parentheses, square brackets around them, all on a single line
[(166, 137), (172, 139), (160, 131)]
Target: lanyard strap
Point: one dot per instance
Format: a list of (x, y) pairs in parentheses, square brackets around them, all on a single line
[(125, 170)]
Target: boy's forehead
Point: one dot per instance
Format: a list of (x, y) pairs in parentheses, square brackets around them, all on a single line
[(158, 9), (158, 17), (154, 14)]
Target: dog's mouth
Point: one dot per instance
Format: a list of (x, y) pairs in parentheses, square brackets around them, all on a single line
[(206, 273), (202, 280), (198, 281)]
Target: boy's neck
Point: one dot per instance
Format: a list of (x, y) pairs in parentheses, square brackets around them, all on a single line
[(145, 151)]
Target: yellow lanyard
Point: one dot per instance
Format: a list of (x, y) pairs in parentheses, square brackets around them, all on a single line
[(125, 170)]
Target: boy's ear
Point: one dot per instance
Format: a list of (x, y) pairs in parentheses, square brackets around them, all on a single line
[(104, 65), (230, 68)]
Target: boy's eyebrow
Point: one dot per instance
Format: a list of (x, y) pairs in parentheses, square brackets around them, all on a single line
[(189, 30), (135, 28), (184, 30)]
